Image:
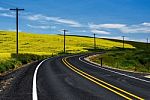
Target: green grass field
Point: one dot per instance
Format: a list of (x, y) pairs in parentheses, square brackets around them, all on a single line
[(133, 60), (137, 59), (43, 44)]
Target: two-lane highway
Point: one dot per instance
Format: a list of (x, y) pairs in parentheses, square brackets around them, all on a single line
[(73, 78)]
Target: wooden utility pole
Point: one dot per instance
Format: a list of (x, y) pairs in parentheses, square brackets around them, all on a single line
[(123, 41), (64, 39), (147, 43), (94, 42), (17, 10)]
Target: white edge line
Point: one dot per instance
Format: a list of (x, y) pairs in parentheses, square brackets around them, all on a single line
[(34, 89), (148, 76), (114, 71)]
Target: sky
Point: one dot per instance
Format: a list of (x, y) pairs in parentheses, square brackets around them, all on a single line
[(105, 18)]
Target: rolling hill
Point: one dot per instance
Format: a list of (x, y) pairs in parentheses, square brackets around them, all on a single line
[(34, 46), (48, 44)]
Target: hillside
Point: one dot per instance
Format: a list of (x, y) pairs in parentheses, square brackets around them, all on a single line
[(39, 43), (137, 45), (38, 46)]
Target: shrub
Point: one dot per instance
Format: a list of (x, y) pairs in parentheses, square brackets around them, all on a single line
[(26, 57), (9, 64), (21, 59)]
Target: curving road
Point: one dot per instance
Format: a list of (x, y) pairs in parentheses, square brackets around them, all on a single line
[(73, 78)]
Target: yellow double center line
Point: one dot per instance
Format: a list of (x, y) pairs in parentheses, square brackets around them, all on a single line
[(114, 89)]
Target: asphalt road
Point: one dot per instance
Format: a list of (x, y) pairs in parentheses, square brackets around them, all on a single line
[(73, 78)]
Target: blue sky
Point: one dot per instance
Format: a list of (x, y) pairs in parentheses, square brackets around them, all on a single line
[(106, 18)]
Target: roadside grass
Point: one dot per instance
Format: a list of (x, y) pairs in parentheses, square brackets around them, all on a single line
[(12, 61), (133, 60)]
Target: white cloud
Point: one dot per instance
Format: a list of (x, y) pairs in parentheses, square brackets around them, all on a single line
[(83, 31), (99, 31), (3, 9), (115, 26), (139, 28), (139, 40), (14, 30), (135, 29), (126, 38), (65, 21), (145, 24), (40, 17), (7, 15), (111, 37), (98, 28), (34, 17), (39, 27), (80, 31)]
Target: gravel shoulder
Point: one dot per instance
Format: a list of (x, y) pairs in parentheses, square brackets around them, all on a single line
[(18, 84)]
